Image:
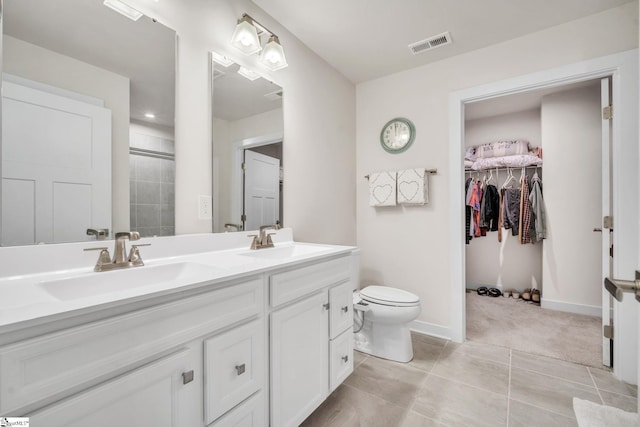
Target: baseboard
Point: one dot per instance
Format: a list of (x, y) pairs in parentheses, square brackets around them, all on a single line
[(589, 310), (431, 329)]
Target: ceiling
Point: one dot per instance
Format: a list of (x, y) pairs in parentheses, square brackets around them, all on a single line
[(88, 31), (368, 39)]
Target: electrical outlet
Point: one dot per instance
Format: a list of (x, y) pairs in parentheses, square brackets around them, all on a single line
[(204, 207)]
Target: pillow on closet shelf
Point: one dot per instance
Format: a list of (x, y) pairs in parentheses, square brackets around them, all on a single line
[(470, 154), (502, 148), (468, 164), (518, 161)]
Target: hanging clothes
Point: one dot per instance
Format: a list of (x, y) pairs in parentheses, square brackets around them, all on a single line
[(467, 210), (524, 234), (476, 202), (537, 209), (490, 209), (501, 214), (512, 210)]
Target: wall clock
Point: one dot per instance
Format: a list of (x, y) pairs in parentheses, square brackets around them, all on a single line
[(397, 135)]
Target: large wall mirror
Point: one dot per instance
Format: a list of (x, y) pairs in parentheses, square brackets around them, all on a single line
[(247, 149), (87, 122)]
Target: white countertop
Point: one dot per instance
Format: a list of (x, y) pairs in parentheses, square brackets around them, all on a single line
[(32, 299)]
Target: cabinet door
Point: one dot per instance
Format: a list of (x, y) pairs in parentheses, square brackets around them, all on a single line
[(341, 302), (299, 360), (148, 396)]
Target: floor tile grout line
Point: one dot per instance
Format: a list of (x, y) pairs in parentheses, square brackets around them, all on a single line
[(509, 388), (468, 385), (596, 386), (557, 377), (542, 408)]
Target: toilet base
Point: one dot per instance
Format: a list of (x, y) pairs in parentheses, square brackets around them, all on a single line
[(392, 342)]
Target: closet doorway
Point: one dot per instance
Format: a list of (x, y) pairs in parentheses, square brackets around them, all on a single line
[(623, 70), (549, 269)]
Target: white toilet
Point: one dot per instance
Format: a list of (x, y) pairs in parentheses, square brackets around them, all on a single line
[(387, 314)]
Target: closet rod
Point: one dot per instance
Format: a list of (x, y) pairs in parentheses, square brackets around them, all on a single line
[(502, 169), (429, 171)]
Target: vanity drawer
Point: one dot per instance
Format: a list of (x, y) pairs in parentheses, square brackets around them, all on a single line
[(250, 413), (291, 285), (341, 309), (46, 368), (233, 368), (340, 359)]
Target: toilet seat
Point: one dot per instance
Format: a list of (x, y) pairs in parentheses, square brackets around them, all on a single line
[(385, 295)]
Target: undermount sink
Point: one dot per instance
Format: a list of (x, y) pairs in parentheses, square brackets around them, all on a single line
[(284, 252), (101, 283)]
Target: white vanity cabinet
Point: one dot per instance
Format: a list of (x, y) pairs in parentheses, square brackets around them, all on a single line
[(311, 337), (154, 366)]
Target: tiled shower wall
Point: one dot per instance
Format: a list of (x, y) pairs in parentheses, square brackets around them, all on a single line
[(152, 193)]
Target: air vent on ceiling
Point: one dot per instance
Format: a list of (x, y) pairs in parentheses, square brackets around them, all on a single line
[(217, 73), (274, 96), (430, 43)]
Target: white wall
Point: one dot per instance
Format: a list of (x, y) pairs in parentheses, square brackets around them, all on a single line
[(506, 264), (42, 65), (319, 117), (408, 248), (572, 141)]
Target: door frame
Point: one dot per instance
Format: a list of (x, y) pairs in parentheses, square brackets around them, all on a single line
[(238, 147), (623, 70)]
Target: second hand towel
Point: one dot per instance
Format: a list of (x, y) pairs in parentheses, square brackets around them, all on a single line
[(413, 187), (382, 189)]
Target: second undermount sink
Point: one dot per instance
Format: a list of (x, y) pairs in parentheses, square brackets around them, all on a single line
[(93, 284), (283, 252)]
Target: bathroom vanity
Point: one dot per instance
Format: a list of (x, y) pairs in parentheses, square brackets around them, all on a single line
[(211, 334)]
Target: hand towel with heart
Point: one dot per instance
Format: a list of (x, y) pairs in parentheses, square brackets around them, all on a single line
[(382, 189), (413, 187)]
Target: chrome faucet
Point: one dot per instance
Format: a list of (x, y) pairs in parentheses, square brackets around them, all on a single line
[(100, 233), (105, 263), (263, 240)]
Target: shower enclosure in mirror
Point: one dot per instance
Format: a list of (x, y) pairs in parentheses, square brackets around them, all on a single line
[(87, 122), (247, 149)]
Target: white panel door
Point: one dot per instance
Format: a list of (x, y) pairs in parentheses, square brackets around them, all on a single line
[(261, 190), (299, 360), (605, 101), (56, 166)]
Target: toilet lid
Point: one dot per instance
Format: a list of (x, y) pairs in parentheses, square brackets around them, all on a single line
[(389, 296)]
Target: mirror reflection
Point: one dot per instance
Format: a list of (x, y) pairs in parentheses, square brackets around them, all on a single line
[(248, 137), (83, 86)]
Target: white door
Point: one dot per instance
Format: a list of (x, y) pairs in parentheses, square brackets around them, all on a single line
[(299, 360), (605, 101), (261, 190), (56, 167)]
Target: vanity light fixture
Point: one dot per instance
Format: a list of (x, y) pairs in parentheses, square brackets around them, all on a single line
[(247, 73), (221, 59), (123, 9), (246, 38)]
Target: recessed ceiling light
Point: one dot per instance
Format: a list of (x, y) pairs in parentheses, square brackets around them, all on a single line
[(150, 115), (123, 9), (221, 59), (251, 75)]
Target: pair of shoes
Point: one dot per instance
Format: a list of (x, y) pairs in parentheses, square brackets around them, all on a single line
[(526, 294), (494, 292), (535, 296)]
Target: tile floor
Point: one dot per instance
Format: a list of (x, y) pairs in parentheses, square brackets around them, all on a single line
[(470, 384)]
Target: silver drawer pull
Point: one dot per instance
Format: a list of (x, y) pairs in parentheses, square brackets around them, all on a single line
[(187, 377), (345, 359), (240, 369), (345, 308)]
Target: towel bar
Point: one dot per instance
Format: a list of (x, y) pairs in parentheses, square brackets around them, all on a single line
[(430, 171)]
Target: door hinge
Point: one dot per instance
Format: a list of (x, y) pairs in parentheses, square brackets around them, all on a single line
[(611, 251), (243, 217), (607, 222), (607, 331), (244, 166), (607, 112)]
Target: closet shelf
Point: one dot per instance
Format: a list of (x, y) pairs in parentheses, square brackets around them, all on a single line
[(503, 168)]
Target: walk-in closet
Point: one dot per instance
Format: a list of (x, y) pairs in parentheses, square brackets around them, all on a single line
[(534, 278)]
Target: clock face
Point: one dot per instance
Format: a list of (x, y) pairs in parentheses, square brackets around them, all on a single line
[(397, 135)]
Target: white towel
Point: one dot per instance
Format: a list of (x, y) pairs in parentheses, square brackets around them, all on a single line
[(382, 189), (413, 187)]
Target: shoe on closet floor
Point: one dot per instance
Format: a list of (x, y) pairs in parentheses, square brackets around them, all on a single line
[(507, 293), (494, 292), (515, 294), (535, 296), (526, 294), (482, 290)]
